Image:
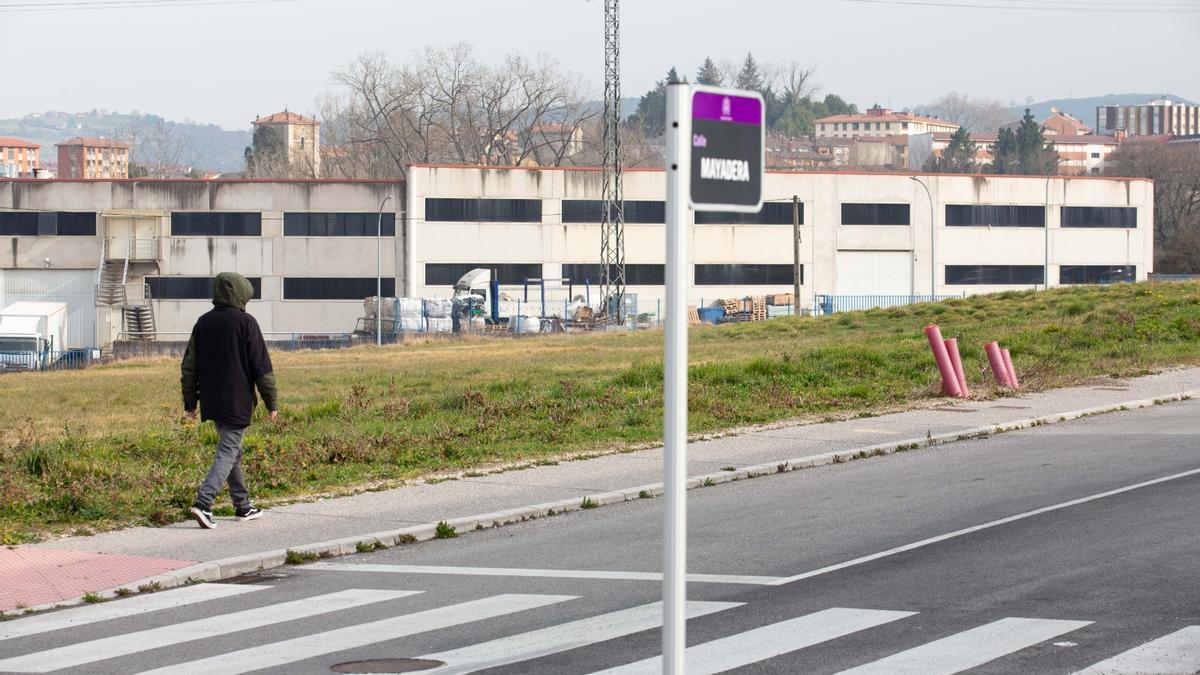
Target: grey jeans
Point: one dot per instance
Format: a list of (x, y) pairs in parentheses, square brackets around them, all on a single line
[(226, 467)]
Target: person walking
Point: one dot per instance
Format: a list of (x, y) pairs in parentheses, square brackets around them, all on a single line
[(226, 359)]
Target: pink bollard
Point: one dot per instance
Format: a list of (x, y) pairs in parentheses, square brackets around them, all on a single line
[(949, 379), (996, 361), (1012, 372), (956, 362)]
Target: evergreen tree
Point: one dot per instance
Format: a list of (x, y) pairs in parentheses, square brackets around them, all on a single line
[(651, 112), (1034, 156), (709, 74), (750, 77), (836, 105), (1005, 154), (958, 157)]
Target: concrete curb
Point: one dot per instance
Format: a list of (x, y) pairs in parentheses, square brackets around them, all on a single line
[(227, 568)]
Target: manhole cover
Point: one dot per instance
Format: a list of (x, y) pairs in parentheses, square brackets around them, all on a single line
[(386, 666)]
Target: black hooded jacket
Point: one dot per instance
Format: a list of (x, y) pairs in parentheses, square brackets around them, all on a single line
[(227, 357)]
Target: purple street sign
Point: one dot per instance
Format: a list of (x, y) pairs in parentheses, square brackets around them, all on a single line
[(727, 150)]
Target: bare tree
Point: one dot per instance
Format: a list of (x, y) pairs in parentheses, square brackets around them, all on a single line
[(974, 113), (1175, 170), (444, 105), (159, 148)]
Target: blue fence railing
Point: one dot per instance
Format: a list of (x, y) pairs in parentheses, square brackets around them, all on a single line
[(27, 361), (832, 304)]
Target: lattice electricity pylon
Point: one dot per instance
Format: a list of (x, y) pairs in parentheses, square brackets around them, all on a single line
[(612, 229)]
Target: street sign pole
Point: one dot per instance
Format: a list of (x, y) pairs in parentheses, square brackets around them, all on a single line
[(679, 133), (714, 163)]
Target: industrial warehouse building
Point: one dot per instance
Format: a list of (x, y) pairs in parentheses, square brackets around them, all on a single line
[(122, 252)]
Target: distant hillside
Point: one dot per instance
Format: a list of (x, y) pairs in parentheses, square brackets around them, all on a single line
[(207, 146), (1085, 108)]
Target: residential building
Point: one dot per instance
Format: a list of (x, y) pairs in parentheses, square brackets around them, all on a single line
[(88, 157), (19, 159), (879, 122), (1077, 155), (1156, 118), (1060, 123), (300, 138), (309, 246)]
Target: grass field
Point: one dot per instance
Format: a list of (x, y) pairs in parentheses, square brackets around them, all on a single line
[(104, 447)]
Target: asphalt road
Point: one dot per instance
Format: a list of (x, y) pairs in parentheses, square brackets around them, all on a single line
[(1069, 577)]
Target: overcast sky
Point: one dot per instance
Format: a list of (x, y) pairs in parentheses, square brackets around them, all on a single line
[(225, 63)]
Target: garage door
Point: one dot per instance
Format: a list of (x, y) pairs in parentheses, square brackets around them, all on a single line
[(77, 288), (874, 272)]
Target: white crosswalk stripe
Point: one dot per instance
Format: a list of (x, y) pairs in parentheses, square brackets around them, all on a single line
[(350, 637), (563, 637), (766, 642), (1172, 654), (135, 606), (969, 648), (131, 643)]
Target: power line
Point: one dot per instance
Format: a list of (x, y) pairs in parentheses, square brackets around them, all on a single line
[(24, 7), (1087, 7)]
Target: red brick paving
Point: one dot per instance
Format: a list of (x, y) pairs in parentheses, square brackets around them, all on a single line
[(34, 576)]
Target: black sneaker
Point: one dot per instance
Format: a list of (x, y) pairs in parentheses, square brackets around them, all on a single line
[(249, 514), (205, 518)]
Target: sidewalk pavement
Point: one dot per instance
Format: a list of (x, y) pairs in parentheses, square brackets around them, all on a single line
[(61, 571)]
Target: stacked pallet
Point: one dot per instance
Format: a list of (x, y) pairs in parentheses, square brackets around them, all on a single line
[(731, 306), (758, 308), (693, 315)]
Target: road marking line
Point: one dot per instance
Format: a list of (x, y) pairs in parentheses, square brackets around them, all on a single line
[(153, 602), (351, 637), (969, 648), (977, 528), (766, 642), (250, 619), (544, 573), (1178, 652), (563, 637)]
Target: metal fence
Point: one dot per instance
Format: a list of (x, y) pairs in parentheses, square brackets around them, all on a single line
[(13, 362), (832, 304)]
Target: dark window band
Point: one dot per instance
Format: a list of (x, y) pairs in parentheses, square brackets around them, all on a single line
[(771, 213), (1099, 216), (1096, 274), (592, 211), (875, 214), (190, 288), (47, 224), (991, 215), (745, 275), (508, 274), (334, 288), (994, 275), (438, 209), (636, 274), (338, 224), (216, 224)]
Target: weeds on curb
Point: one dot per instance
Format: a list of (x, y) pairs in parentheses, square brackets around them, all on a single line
[(406, 539), (587, 503), (92, 598), (645, 494), (728, 468), (299, 557), (152, 587), (444, 530), (124, 592), (364, 547), (708, 482)]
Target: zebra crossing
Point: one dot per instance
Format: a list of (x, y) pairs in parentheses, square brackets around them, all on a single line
[(971, 646)]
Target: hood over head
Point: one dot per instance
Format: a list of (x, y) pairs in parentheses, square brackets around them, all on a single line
[(232, 289)]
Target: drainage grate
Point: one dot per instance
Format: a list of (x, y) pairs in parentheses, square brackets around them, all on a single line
[(1012, 407), (386, 666), (1111, 388), (945, 409)]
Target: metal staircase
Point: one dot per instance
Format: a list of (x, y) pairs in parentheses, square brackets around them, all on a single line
[(112, 284), (111, 288)]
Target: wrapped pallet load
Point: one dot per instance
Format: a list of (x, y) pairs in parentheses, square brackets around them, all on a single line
[(412, 315), (438, 315), (389, 308)]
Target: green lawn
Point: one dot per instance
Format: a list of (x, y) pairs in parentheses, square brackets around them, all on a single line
[(106, 447)]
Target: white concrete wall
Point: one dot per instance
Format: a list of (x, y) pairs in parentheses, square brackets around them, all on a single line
[(551, 242)]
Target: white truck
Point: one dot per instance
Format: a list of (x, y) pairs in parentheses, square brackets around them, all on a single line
[(32, 334)]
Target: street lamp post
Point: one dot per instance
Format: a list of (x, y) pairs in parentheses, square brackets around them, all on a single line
[(932, 229), (379, 274)]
